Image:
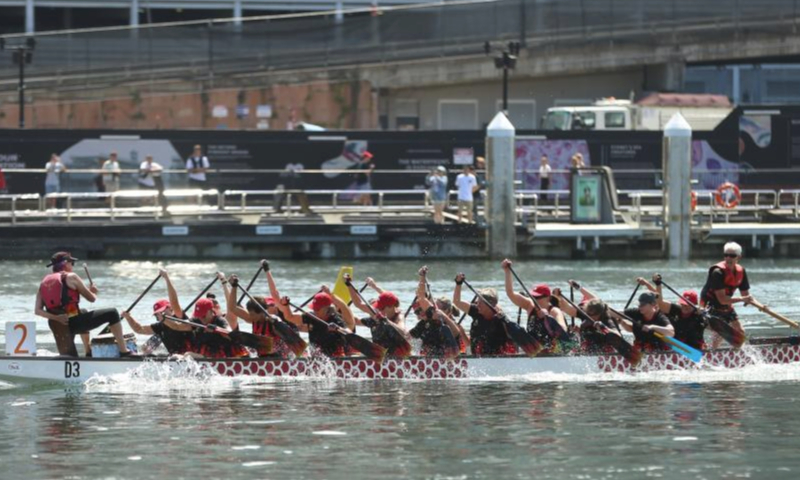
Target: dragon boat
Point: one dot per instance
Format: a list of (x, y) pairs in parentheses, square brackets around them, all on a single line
[(771, 350)]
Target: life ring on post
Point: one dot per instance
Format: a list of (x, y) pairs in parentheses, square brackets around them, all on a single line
[(694, 200), (727, 200)]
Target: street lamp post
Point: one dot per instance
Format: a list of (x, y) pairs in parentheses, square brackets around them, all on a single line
[(506, 60), (21, 55)]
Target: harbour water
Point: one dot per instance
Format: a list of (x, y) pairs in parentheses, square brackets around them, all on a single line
[(708, 424)]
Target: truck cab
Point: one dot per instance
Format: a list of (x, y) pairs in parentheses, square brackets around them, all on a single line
[(595, 117)]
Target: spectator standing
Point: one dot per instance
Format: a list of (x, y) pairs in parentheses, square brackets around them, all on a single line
[(150, 179), (363, 177), (197, 165), (544, 176), (98, 178), (291, 178), (437, 186), (466, 184), (111, 173), (52, 182)]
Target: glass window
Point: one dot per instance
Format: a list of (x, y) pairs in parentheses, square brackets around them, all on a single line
[(615, 119), (583, 121)]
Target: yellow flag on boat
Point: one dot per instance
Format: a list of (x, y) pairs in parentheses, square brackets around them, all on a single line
[(339, 288)]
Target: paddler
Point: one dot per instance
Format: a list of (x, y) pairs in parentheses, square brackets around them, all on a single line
[(593, 330), (724, 278), (58, 300), (327, 307), (262, 324), (647, 321), (436, 329), (488, 333), (689, 322), (383, 320), (554, 336), (445, 305)]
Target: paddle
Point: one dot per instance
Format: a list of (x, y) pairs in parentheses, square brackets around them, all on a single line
[(630, 299), (247, 339), (199, 295), (631, 354), (552, 324), (291, 338), (370, 350), (91, 283), (450, 346), (154, 341), (677, 346), (463, 315), (735, 337), (401, 348), (361, 290), (775, 315), (252, 281), (616, 323), (527, 343)]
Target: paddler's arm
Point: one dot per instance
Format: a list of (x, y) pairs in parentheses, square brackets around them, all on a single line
[(288, 315), (371, 284), (622, 321), (667, 331), (461, 305), (354, 296), (422, 289), (453, 326), (584, 291), (177, 311), (74, 281), (641, 281), (341, 305), (230, 316), (663, 305), (136, 326), (273, 289), (39, 311), (232, 306), (518, 300)]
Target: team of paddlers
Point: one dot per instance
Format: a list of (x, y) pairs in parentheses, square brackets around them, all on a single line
[(593, 327)]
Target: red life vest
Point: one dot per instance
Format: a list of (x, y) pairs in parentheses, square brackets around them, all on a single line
[(733, 278), (57, 296)]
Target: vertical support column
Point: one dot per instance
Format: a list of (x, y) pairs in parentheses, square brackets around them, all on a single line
[(237, 13), (339, 16), (30, 19), (501, 238), (677, 164), (134, 15)]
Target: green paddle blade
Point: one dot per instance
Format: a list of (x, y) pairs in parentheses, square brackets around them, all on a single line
[(372, 351), (527, 343), (727, 332), (291, 338), (250, 340), (630, 353)]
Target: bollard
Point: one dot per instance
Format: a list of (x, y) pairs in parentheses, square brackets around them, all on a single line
[(677, 165), (501, 235)]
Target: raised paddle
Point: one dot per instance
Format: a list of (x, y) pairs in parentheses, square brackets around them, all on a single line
[(141, 295), (370, 350), (401, 346), (252, 281), (630, 299), (775, 315), (551, 324), (527, 343), (88, 275), (247, 339), (363, 287), (463, 315), (450, 346), (735, 337), (291, 338), (677, 346), (628, 352), (199, 295)]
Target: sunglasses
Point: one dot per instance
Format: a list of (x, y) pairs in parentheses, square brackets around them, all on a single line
[(730, 255)]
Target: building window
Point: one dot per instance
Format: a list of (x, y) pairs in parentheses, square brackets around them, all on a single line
[(783, 89), (458, 114), (521, 113)]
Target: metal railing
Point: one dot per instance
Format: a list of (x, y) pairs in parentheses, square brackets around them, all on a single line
[(203, 49)]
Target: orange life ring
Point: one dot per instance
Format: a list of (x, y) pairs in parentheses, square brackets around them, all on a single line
[(694, 200), (725, 200)]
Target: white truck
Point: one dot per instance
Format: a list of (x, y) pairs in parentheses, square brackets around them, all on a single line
[(703, 112)]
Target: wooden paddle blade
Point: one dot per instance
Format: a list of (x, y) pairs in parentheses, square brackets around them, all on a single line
[(372, 351), (527, 343), (258, 342), (630, 353), (292, 339), (735, 337)]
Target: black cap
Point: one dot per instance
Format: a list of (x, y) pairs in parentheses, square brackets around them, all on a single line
[(61, 257), (648, 298)]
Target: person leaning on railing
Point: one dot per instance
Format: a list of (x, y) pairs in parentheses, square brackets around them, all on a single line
[(437, 186)]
